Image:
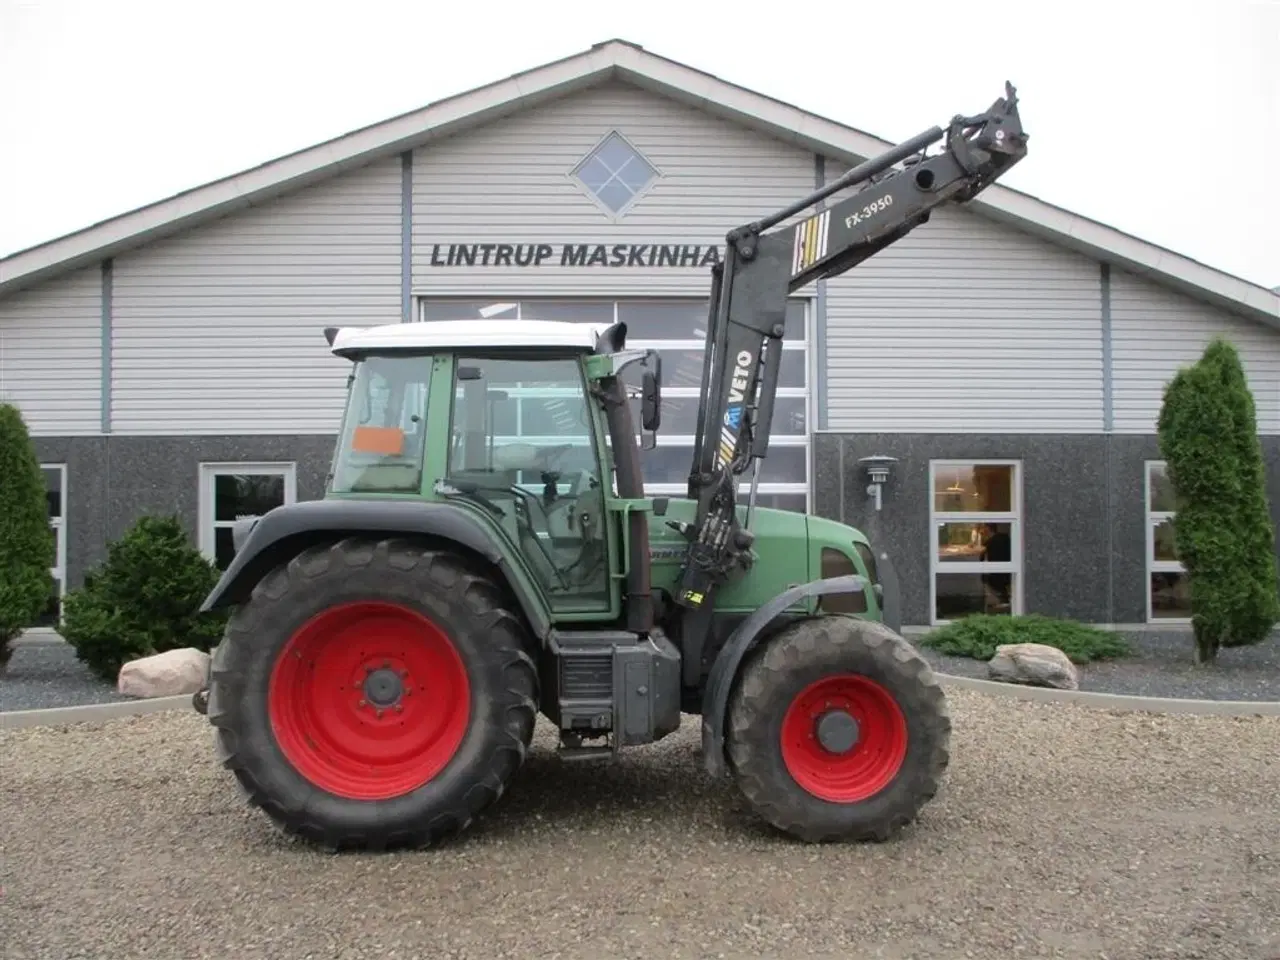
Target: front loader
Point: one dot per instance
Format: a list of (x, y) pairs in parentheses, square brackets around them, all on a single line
[(485, 552)]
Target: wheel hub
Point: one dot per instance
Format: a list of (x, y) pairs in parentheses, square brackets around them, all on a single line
[(347, 703), (383, 687), (837, 731), (844, 738)]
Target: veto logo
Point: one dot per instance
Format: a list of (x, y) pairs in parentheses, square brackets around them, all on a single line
[(741, 373)]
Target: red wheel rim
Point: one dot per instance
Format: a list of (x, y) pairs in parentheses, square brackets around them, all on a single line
[(369, 701), (878, 734)]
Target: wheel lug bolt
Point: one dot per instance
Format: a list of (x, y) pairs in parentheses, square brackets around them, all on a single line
[(377, 713), (399, 708)]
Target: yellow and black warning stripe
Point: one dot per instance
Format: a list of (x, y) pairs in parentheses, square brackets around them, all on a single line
[(811, 242), (727, 444)]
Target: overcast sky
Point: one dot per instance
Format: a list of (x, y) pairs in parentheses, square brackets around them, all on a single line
[(1158, 117)]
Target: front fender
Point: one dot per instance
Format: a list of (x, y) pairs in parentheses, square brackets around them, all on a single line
[(725, 669), (284, 532)]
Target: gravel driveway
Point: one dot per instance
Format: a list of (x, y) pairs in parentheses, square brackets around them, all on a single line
[(1062, 832)]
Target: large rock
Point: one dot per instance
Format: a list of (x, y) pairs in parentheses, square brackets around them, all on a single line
[(1034, 664), (173, 673)]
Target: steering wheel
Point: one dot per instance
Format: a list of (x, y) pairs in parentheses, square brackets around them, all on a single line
[(552, 454)]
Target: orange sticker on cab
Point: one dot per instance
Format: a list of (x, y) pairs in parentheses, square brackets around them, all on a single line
[(388, 441)]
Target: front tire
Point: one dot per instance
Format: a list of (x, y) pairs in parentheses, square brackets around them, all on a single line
[(374, 695), (838, 731)]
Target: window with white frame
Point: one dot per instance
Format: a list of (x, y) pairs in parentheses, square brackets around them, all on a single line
[(615, 173), (677, 328), (975, 515), (55, 486), (1168, 589), (232, 491)]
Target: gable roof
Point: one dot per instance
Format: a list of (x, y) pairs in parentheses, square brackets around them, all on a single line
[(614, 59)]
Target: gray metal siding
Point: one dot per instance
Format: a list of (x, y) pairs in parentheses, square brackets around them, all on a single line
[(509, 182), (51, 354), (1155, 331), (219, 331), (965, 325)]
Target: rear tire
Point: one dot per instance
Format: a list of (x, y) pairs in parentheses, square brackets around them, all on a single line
[(889, 760), (374, 695)]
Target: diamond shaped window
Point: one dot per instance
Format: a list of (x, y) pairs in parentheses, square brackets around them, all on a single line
[(615, 173)]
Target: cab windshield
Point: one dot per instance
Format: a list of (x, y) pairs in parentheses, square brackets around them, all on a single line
[(381, 446)]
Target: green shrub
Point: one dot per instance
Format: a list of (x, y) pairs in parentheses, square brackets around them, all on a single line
[(1222, 531), (27, 548), (144, 599), (979, 635)]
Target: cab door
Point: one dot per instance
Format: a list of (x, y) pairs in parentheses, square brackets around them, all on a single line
[(523, 434)]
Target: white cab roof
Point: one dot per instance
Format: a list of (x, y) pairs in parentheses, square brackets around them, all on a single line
[(446, 334)]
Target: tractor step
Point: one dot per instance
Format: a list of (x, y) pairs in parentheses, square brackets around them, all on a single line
[(584, 753), (612, 681)]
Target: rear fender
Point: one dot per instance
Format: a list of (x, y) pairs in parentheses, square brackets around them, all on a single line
[(286, 531), (729, 660)]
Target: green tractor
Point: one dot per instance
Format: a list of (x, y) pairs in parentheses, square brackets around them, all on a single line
[(485, 552)]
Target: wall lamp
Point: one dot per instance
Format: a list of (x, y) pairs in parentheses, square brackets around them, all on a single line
[(878, 468)]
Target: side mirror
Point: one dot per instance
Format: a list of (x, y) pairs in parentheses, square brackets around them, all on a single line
[(650, 391), (650, 401)]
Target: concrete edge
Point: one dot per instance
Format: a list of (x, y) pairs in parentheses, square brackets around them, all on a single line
[(98, 712), (38, 637), (91, 713), (1115, 701)]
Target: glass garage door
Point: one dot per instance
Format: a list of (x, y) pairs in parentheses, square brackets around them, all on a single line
[(676, 328)]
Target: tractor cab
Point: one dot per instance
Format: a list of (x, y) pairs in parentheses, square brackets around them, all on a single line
[(501, 418)]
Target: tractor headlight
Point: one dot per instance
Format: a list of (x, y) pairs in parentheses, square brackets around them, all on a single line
[(868, 560), (836, 563)]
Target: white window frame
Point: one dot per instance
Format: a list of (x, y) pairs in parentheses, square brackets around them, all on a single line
[(808, 392), (59, 569), (1153, 519), (1013, 517), (210, 471), (616, 216)]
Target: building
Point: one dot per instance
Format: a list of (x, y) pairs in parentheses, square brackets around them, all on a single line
[(1010, 355)]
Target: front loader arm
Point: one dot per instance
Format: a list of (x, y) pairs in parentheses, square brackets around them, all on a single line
[(749, 300)]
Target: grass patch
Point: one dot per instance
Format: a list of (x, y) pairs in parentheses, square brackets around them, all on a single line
[(979, 635)]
